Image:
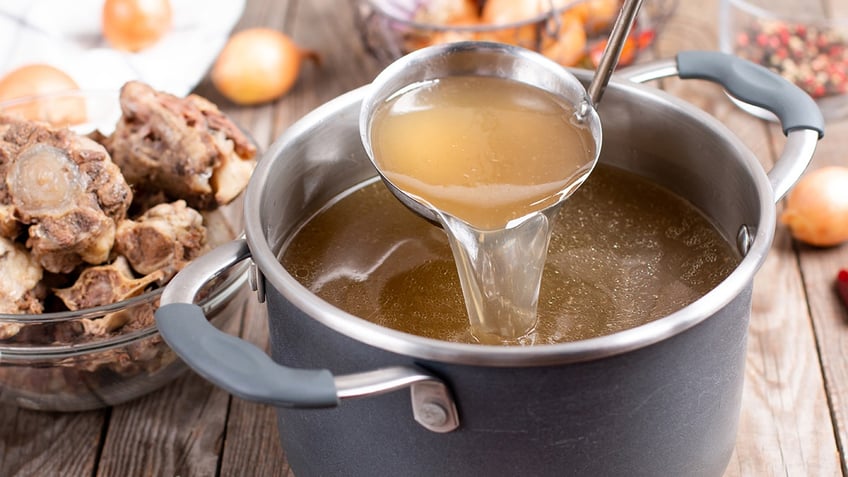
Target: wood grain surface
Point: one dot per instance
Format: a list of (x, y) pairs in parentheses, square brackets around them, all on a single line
[(793, 421)]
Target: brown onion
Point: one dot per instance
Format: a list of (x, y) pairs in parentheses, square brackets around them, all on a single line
[(39, 79), (817, 208), (258, 65), (133, 25)]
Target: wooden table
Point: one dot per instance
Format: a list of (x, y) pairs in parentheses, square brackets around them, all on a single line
[(796, 390)]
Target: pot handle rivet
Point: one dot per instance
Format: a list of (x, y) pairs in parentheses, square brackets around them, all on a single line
[(432, 403), (433, 407), (256, 281), (432, 414), (744, 239)]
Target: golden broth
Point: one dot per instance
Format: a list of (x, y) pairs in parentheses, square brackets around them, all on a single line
[(485, 150), (624, 252)]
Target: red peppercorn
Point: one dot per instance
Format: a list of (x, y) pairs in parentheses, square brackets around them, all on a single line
[(842, 286), (816, 60)]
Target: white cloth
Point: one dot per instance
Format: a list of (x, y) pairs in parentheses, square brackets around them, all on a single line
[(67, 35)]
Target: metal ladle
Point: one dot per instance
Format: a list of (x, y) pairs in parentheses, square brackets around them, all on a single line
[(500, 269)]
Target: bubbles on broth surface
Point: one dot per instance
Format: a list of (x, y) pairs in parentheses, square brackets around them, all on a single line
[(624, 252)]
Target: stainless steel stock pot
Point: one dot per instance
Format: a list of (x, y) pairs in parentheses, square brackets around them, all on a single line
[(659, 399)]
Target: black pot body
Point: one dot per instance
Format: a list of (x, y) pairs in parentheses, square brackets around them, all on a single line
[(664, 410)]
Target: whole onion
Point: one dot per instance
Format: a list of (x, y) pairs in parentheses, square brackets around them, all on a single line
[(258, 65), (40, 79), (817, 208)]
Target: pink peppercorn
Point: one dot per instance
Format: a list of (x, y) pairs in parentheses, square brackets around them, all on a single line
[(814, 59)]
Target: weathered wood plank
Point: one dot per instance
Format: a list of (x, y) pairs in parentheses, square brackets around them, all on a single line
[(327, 28), (252, 445), (177, 430), (48, 444), (785, 427), (819, 268)]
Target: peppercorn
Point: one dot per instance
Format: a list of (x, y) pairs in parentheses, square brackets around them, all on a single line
[(842, 286), (813, 58)]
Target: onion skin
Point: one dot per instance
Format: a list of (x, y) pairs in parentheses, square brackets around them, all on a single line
[(817, 208), (258, 65), (39, 79), (133, 25)]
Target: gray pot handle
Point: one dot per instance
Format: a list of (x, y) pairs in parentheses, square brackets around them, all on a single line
[(247, 372), (799, 116)]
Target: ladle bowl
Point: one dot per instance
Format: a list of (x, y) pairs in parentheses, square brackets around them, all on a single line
[(472, 59)]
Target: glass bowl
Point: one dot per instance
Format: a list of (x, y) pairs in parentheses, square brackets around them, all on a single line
[(571, 32), (802, 41), (38, 371), (51, 361)]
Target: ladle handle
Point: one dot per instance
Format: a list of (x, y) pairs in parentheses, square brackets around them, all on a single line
[(247, 372), (800, 116), (612, 51)]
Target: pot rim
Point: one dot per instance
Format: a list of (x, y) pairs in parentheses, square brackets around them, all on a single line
[(506, 356)]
